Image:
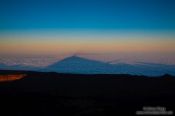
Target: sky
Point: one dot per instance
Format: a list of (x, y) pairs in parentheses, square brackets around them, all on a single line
[(128, 30)]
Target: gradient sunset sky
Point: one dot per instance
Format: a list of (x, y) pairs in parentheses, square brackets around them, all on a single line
[(127, 30)]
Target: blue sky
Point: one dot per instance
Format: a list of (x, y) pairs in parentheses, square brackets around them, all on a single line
[(87, 14)]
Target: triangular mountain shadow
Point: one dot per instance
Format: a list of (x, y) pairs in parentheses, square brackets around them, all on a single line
[(81, 65), (77, 64)]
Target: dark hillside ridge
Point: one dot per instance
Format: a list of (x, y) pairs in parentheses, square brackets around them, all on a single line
[(42, 93)]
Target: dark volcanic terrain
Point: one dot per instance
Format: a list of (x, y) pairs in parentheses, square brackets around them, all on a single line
[(54, 94)]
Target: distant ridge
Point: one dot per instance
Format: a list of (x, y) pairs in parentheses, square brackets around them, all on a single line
[(81, 65), (76, 64), (18, 67)]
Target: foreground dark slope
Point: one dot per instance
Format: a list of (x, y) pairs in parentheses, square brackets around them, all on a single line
[(79, 95)]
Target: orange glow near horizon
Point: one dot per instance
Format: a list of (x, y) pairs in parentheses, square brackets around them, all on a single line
[(106, 45), (86, 46)]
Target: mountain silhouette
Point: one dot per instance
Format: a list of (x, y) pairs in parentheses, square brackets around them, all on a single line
[(76, 64), (80, 65)]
